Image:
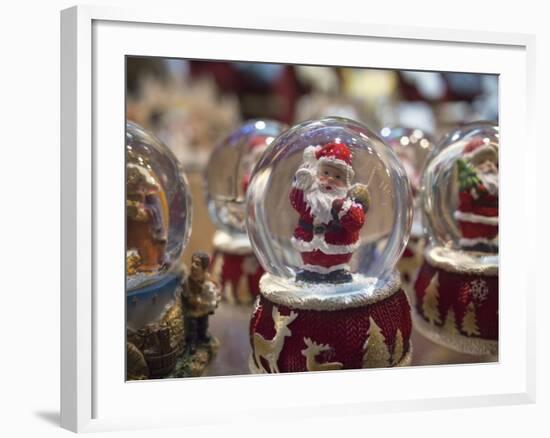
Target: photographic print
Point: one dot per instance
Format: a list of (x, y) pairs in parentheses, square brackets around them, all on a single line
[(297, 218)]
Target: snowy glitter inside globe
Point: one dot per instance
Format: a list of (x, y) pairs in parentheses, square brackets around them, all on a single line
[(228, 172), (329, 204), (460, 191), (158, 209)]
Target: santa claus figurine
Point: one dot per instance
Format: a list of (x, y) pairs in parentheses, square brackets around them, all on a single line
[(331, 210), (477, 213)]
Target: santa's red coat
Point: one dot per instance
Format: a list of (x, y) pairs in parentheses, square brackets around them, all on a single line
[(232, 272), (477, 214), (333, 246)]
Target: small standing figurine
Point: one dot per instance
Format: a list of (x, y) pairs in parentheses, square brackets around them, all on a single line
[(331, 210), (200, 297)]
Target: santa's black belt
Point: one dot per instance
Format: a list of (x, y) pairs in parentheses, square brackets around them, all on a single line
[(320, 229)]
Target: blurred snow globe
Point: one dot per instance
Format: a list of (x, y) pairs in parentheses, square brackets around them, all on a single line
[(460, 193), (158, 209), (329, 209), (228, 173), (412, 146)]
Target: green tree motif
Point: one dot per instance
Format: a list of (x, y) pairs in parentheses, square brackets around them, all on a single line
[(467, 175)]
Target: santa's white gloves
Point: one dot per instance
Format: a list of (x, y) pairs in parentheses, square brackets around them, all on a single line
[(303, 179)]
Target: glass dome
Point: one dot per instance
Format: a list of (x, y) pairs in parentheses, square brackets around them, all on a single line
[(228, 172), (158, 209), (412, 146), (460, 190), (329, 203)]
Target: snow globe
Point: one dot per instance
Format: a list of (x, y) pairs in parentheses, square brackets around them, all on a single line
[(456, 289), (328, 215), (235, 267), (412, 146), (158, 218)]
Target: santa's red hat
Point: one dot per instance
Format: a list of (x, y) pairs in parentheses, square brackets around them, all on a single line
[(479, 150), (256, 146), (336, 154)]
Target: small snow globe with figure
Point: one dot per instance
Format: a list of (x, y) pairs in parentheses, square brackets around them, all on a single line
[(329, 215), (457, 287), (158, 222), (412, 146), (235, 267)]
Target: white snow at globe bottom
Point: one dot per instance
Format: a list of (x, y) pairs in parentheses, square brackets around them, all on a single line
[(359, 291), (358, 283)]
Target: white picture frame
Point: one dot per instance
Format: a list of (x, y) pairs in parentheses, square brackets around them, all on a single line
[(94, 42)]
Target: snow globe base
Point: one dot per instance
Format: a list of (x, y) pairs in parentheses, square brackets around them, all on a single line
[(315, 331), (235, 268), (154, 328), (456, 296)]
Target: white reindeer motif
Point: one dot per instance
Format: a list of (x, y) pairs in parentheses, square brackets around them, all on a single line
[(271, 349), (311, 352)]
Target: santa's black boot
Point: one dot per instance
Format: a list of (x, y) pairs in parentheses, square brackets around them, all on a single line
[(339, 276)]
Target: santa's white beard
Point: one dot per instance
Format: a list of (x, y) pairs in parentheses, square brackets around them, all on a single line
[(320, 201), (490, 181)]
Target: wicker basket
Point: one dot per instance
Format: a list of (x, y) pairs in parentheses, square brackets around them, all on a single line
[(161, 365)]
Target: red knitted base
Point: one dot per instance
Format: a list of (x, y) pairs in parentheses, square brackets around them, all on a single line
[(458, 304), (343, 332), (238, 276)]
